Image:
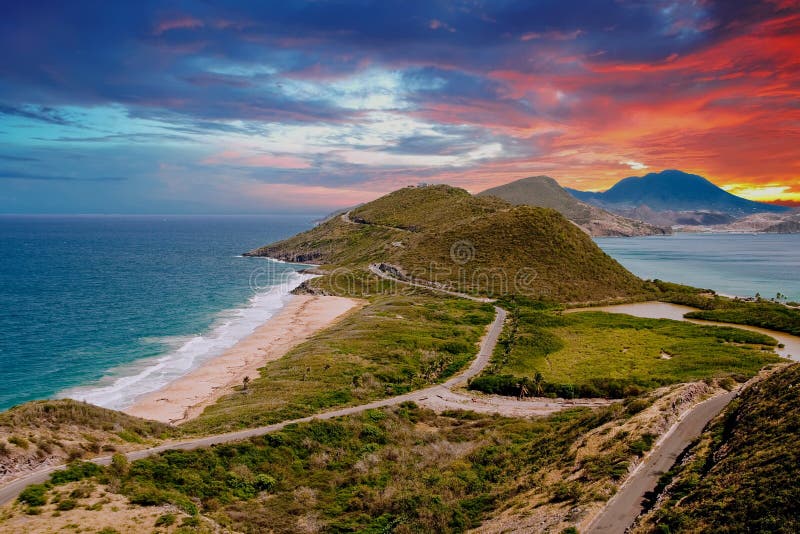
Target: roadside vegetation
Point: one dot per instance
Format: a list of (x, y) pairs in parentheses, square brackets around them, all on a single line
[(595, 354), (402, 469), (392, 345), (762, 313), (54, 431), (743, 472)]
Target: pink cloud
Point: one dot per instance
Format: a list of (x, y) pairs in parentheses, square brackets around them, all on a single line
[(186, 22), (232, 157)]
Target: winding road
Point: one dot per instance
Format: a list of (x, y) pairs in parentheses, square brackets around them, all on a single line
[(9, 491), (625, 506)]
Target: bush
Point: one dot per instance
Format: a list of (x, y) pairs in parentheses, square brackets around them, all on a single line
[(567, 491), (35, 495), (165, 520), (148, 496), (19, 441), (67, 504), (74, 472)]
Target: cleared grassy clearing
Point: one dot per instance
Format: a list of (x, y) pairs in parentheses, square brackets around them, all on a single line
[(592, 354), (392, 345)]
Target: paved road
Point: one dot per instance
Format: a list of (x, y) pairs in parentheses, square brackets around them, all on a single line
[(10, 491), (623, 509), (377, 271)]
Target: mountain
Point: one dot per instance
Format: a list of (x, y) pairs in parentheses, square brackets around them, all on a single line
[(544, 192), (483, 245), (675, 191)]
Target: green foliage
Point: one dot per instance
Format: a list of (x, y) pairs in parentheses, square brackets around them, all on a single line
[(54, 413), (165, 520), (508, 250), (19, 441), (744, 472), (597, 354), (570, 491), (74, 472), (425, 208), (763, 314), (442, 472), (66, 504), (391, 346), (528, 251), (34, 495)]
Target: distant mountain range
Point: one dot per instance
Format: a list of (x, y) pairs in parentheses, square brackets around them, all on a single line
[(544, 192), (674, 197), (675, 191)]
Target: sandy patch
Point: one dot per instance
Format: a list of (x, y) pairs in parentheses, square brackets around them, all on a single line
[(186, 397)]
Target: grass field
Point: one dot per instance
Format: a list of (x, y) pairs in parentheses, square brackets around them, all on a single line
[(392, 345), (591, 354)]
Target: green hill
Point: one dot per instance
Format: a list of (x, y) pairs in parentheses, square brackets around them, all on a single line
[(474, 244), (744, 471), (544, 192)]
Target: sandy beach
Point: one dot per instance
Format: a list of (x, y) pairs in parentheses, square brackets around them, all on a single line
[(187, 396)]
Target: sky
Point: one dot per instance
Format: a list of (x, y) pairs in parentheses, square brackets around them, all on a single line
[(307, 106)]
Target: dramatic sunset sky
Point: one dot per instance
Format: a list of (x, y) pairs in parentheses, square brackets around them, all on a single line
[(184, 107)]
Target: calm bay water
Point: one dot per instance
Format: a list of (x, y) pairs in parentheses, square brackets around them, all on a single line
[(121, 303), (732, 264)]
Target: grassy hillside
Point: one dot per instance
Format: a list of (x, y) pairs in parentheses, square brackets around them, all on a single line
[(524, 250), (334, 242), (429, 208), (402, 469), (479, 245), (48, 432), (744, 471), (544, 192), (596, 354)]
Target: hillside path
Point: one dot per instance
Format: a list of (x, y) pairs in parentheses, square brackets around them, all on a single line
[(623, 508)]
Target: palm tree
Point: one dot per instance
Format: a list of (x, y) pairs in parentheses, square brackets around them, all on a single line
[(538, 384)]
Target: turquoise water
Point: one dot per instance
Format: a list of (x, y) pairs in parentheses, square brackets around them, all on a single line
[(731, 264), (123, 304)]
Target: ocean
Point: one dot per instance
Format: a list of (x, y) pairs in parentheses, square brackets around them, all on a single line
[(105, 308), (730, 264)]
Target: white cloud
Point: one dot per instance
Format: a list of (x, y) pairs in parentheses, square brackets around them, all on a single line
[(635, 165)]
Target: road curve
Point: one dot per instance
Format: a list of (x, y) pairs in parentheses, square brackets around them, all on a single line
[(374, 269), (10, 491), (623, 508)]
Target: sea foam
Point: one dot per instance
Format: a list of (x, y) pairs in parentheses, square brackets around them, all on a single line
[(125, 384)]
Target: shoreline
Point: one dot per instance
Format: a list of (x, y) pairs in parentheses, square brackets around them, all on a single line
[(186, 397)]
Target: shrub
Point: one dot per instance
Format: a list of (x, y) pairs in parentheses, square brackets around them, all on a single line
[(19, 441), (165, 520), (74, 472), (34, 495), (67, 504), (567, 491)]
